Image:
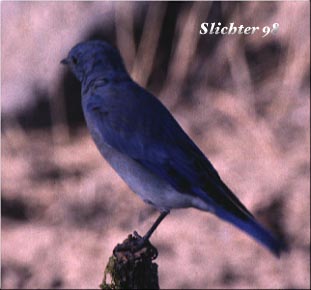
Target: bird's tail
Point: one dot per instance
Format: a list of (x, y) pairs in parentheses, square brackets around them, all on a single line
[(254, 229)]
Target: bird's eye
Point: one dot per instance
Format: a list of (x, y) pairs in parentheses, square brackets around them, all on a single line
[(74, 60)]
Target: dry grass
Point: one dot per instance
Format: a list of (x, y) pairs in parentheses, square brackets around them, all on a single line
[(244, 100)]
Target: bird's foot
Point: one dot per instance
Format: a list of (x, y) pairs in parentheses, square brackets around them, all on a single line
[(134, 245)]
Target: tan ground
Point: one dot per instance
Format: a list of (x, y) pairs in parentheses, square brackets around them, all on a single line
[(246, 103), (76, 209)]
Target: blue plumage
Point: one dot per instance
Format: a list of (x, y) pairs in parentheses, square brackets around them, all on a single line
[(146, 146)]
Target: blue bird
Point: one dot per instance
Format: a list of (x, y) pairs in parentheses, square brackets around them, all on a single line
[(146, 146)]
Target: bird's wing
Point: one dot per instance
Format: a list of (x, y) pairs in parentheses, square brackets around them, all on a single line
[(148, 133)]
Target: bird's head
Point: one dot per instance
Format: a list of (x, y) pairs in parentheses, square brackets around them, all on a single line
[(94, 58)]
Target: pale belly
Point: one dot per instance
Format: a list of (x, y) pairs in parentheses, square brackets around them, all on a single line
[(151, 188)]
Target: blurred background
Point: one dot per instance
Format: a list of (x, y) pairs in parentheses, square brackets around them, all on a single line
[(243, 99)]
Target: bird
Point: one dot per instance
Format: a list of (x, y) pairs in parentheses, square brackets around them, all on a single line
[(148, 149)]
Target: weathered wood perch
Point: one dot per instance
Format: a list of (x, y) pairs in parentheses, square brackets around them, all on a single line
[(131, 266)]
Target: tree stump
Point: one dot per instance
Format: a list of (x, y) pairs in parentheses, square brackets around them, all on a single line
[(131, 266)]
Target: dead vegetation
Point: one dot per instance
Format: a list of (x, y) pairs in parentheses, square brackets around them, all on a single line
[(244, 99)]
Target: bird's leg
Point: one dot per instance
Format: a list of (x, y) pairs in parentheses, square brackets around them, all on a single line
[(136, 242), (142, 241), (155, 225)]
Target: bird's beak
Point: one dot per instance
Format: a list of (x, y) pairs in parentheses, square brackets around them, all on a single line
[(65, 61)]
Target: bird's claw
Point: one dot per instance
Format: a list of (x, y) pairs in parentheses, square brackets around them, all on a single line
[(136, 235), (135, 244)]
